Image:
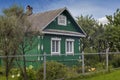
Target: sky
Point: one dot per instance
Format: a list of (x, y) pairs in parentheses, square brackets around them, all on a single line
[(98, 8)]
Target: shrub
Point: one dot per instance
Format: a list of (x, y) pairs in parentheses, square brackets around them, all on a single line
[(16, 74), (54, 70), (31, 73), (73, 72), (116, 61), (1, 70)]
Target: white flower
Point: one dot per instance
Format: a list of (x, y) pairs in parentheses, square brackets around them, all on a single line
[(18, 75), (13, 76), (26, 68), (30, 67), (89, 70)]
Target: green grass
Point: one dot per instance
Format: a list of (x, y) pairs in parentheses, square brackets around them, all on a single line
[(108, 76), (114, 75)]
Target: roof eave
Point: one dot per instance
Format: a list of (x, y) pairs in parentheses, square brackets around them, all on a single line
[(67, 34)]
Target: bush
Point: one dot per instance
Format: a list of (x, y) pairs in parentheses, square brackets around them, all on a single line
[(16, 74), (1, 70), (73, 72), (91, 60), (116, 61), (54, 70), (31, 73)]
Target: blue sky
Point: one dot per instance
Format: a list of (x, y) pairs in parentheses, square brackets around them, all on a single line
[(97, 8)]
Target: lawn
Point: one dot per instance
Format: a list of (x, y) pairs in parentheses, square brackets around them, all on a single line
[(115, 75)]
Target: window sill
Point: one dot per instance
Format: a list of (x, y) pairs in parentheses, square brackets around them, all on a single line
[(55, 54), (69, 53), (62, 24)]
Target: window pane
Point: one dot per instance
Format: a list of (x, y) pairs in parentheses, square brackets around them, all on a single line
[(67, 46), (70, 46), (57, 46), (62, 20), (53, 46)]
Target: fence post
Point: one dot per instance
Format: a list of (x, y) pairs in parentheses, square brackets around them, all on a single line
[(83, 64), (107, 61), (44, 73)]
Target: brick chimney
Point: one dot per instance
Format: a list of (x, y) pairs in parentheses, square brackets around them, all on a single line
[(29, 10)]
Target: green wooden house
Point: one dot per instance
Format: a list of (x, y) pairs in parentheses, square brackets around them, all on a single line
[(59, 37)]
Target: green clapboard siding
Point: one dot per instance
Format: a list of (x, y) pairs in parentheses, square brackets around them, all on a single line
[(47, 43), (71, 25), (66, 59)]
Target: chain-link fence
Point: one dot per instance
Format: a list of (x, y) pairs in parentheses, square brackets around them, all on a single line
[(84, 62)]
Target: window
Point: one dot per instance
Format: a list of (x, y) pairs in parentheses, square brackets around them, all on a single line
[(69, 46), (55, 46), (62, 20)]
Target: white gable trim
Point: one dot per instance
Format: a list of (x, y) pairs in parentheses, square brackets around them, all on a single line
[(53, 19), (64, 34)]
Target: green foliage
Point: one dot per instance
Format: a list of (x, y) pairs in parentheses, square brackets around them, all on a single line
[(54, 71), (1, 71), (13, 29), (116, 61), (91, 60), (93, 31), (98, 37), (14, 10), (16, 74), (31, 73), (113, 31)]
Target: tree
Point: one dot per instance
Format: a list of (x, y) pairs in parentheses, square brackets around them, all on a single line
[(28, 42), (113, 31), (14, 28), (9, 39), (92, 29)]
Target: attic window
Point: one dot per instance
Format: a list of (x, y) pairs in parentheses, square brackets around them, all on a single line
[(62, 20)]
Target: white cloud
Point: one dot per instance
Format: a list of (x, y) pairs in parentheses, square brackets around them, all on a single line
[(103, 20), (81, 8), (77, 8)]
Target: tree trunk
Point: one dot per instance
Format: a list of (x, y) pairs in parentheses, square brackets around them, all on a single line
[(6, 61), (24, 66)]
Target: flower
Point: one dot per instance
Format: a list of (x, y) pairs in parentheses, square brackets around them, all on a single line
[(92, 69), (89, 70), (13, 76), (18, 75), (30, 67)]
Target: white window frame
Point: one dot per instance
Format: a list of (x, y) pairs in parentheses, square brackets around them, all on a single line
[(59, 46), (62, 17), (69, 40)]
